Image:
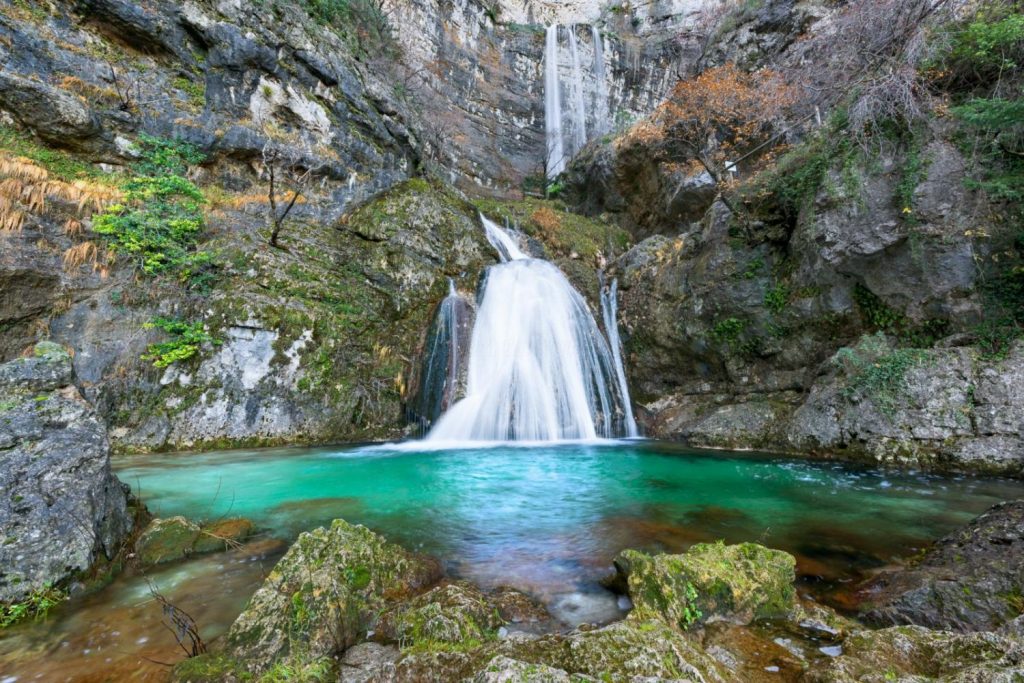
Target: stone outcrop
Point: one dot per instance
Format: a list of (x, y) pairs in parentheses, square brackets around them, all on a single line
[(62, 507), (970, 580), (324, 596), (710, 581), (175, 538)]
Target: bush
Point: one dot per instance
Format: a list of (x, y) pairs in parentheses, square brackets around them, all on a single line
[(363, 24), (35, 606), (186, 340), (878, 373)]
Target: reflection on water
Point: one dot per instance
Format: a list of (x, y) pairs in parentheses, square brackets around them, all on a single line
[(547, 520)]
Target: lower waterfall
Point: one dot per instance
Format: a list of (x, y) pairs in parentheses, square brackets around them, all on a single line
[(539, 367)]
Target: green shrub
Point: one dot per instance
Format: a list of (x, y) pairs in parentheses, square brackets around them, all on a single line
[(776, 298), (186, 340), (162, 156), (875, 371), (35, 606)]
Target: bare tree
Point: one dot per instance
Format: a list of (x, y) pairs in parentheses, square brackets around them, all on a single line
[(181, 624), (290, 173)]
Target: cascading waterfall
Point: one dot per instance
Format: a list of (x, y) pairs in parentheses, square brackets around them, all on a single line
[(553, 105), (579, 111), (567, 135), (539, 367), (601, 123), (609, 311), (444, 364)]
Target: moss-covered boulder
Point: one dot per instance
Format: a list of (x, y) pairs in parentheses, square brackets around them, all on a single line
[(166, 540), (914, 653), (456, 614), (620, 652), (223, 534), (324, 595), (710, 581), (502, 669)]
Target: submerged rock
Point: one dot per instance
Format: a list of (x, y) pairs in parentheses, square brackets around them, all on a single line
[(711, 581), (914, 653), (324, 595), (62, 507), (167, 540), (971, 580)]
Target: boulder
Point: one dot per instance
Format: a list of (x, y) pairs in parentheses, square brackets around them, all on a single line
[(914, 653), (53, 114), (221, 534), (62, 507), (324, 596), (970, 580), (709, 582), (166, 540), (457, 613), (502, 669)]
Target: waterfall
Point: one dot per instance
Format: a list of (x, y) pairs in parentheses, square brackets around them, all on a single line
[(539, 367), (553, 105), (609, 311), (444, 362), (601, 122), (579, 111), (567, 136)]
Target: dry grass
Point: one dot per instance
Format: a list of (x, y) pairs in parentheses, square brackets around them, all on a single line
[(27, 189)]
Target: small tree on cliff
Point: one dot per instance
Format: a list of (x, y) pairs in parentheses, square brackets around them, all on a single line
[(718, 119), (290, 174)]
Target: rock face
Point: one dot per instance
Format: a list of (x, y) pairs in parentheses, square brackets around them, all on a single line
[(324, 595), (62, 506), (913, 653), (971, 580), (710, 581)]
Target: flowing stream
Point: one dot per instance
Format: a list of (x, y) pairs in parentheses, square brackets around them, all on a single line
[(539, 367)]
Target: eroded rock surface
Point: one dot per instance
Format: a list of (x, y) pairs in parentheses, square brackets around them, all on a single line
[(62, 507), (970, 580)]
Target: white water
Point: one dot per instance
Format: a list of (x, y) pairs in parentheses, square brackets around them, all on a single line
[(601, 122), (577, 109), (609, 310), (539, 367), (553, 105)]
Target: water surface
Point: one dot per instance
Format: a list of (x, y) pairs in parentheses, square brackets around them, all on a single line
[(545, 519)]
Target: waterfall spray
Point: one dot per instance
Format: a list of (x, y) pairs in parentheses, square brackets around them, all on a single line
[(553, 105), (539, 367), (578, 110), (601, 123)]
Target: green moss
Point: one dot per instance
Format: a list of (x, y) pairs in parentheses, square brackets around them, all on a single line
[(878, 373), (563, 233), (59, 164), (36, 605), (210, 668)]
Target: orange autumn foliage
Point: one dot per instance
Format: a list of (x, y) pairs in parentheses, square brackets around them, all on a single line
[(717, 117)]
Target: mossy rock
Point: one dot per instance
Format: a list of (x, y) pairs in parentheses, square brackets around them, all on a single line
[(324, 595), (457, 614), (166, 540), (50, 351), (502, 669), (739, 583), (220, 535), (620, 652), (210, 668), (914, 653)]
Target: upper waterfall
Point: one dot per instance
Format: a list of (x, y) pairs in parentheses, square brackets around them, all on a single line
[(539, 367), (567, 134)]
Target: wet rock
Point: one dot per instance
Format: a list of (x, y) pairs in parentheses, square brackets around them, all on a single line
[(456, 614), (62, 507), (324, 595), (166, 540), (914, 653), (709, 582), (222, 534), (517, 607), (504, 670), (970, 580), (368, 663), (620, 652)]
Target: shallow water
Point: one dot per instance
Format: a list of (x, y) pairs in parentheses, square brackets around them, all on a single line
[(544, 519)]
